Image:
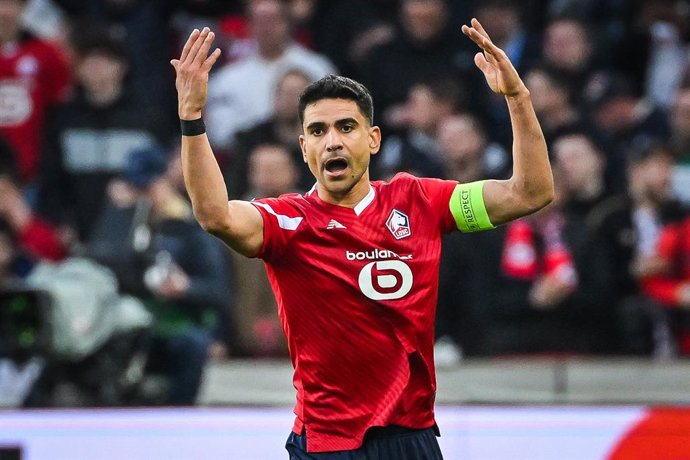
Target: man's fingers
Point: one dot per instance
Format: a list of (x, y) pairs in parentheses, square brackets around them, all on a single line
[(482, 41), (481, 62), (480, 28), (202, 54), (475, 36), (200, 39), (188, 45), (175, 63), (208, 63)]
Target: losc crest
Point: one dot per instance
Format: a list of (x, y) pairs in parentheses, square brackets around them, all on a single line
[(399, 224)]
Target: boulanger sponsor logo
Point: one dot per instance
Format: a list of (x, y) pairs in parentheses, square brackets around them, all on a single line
[(375, 254), (386, 277), (399, 224)]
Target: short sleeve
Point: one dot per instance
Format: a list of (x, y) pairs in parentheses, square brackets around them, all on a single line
[(282, 220), (436, 193)]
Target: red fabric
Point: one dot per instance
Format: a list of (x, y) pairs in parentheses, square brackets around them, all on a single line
[(235, 26), (41, 241), (674, 248), (522, 260), (358, 305), (33, 76), (519, 252)]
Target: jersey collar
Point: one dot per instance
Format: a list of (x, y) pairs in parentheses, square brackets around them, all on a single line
[(359, 207), (366, 201)]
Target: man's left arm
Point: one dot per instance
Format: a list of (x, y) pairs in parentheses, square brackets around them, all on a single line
[(531, 186)]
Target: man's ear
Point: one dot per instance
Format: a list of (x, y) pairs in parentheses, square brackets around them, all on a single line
[(303, 147), (374, 139)]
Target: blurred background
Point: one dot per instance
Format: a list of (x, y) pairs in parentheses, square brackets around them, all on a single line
[(575, 319)]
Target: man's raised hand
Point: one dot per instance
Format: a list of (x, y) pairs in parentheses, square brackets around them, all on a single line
[(493, 62), (192, 71)]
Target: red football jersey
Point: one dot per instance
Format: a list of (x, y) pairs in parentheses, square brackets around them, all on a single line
[(33, 76), (356, 291)]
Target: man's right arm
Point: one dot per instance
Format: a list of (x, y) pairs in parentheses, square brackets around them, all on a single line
[(237, 223)]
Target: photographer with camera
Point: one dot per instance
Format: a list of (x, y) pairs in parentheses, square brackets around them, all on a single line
[(148, 237)]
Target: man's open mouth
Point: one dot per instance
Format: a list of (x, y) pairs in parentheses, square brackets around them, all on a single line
[(335, 165)]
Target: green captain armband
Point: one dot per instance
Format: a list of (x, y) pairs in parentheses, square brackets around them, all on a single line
[(468, 209)]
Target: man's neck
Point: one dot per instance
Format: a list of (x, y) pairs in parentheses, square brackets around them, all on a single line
[(349, 198)]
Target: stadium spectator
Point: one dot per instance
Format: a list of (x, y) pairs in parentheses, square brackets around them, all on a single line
[(568, 47), (555, 102), (91, 136), (34, 76), (242, 92), (282, 127), (416, 149), (361, 25), (621, 114), (581, 164), (272, 172), (146, 234), (468, 279), (671, 284), (37, 237), (138, 24), (629, 225), (426, 44), (467, 152), (514, 291)]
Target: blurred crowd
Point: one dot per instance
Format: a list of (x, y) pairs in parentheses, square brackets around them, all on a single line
[(89, 164)]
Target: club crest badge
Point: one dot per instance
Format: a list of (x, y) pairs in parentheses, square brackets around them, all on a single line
[(399, 224)]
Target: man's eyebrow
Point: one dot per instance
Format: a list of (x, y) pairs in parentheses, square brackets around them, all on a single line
[(316, 125), (341, 122), (346, 121)]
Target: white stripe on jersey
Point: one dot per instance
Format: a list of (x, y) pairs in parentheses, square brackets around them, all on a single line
[(284, 222)]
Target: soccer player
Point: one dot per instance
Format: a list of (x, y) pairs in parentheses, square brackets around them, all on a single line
[(353, 262)]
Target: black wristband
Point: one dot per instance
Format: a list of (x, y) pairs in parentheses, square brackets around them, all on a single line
[(192, 127)]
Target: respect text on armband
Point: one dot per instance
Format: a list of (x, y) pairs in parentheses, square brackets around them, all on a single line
[(466, 205)]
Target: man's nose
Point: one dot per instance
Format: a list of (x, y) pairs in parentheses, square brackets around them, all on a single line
[(333, 141)]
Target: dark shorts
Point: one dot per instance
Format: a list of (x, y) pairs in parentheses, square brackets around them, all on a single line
[(388, 443)]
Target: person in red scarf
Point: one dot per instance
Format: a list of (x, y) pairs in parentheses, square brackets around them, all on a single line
[(671, 284), (37, 237)]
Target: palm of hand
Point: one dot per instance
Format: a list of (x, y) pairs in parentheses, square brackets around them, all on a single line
[(499, 72), (501, 81)]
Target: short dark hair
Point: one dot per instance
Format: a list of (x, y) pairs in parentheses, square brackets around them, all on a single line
[(643, 147), (558, 78), (95, 39), (444, 87), (337, 87)]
